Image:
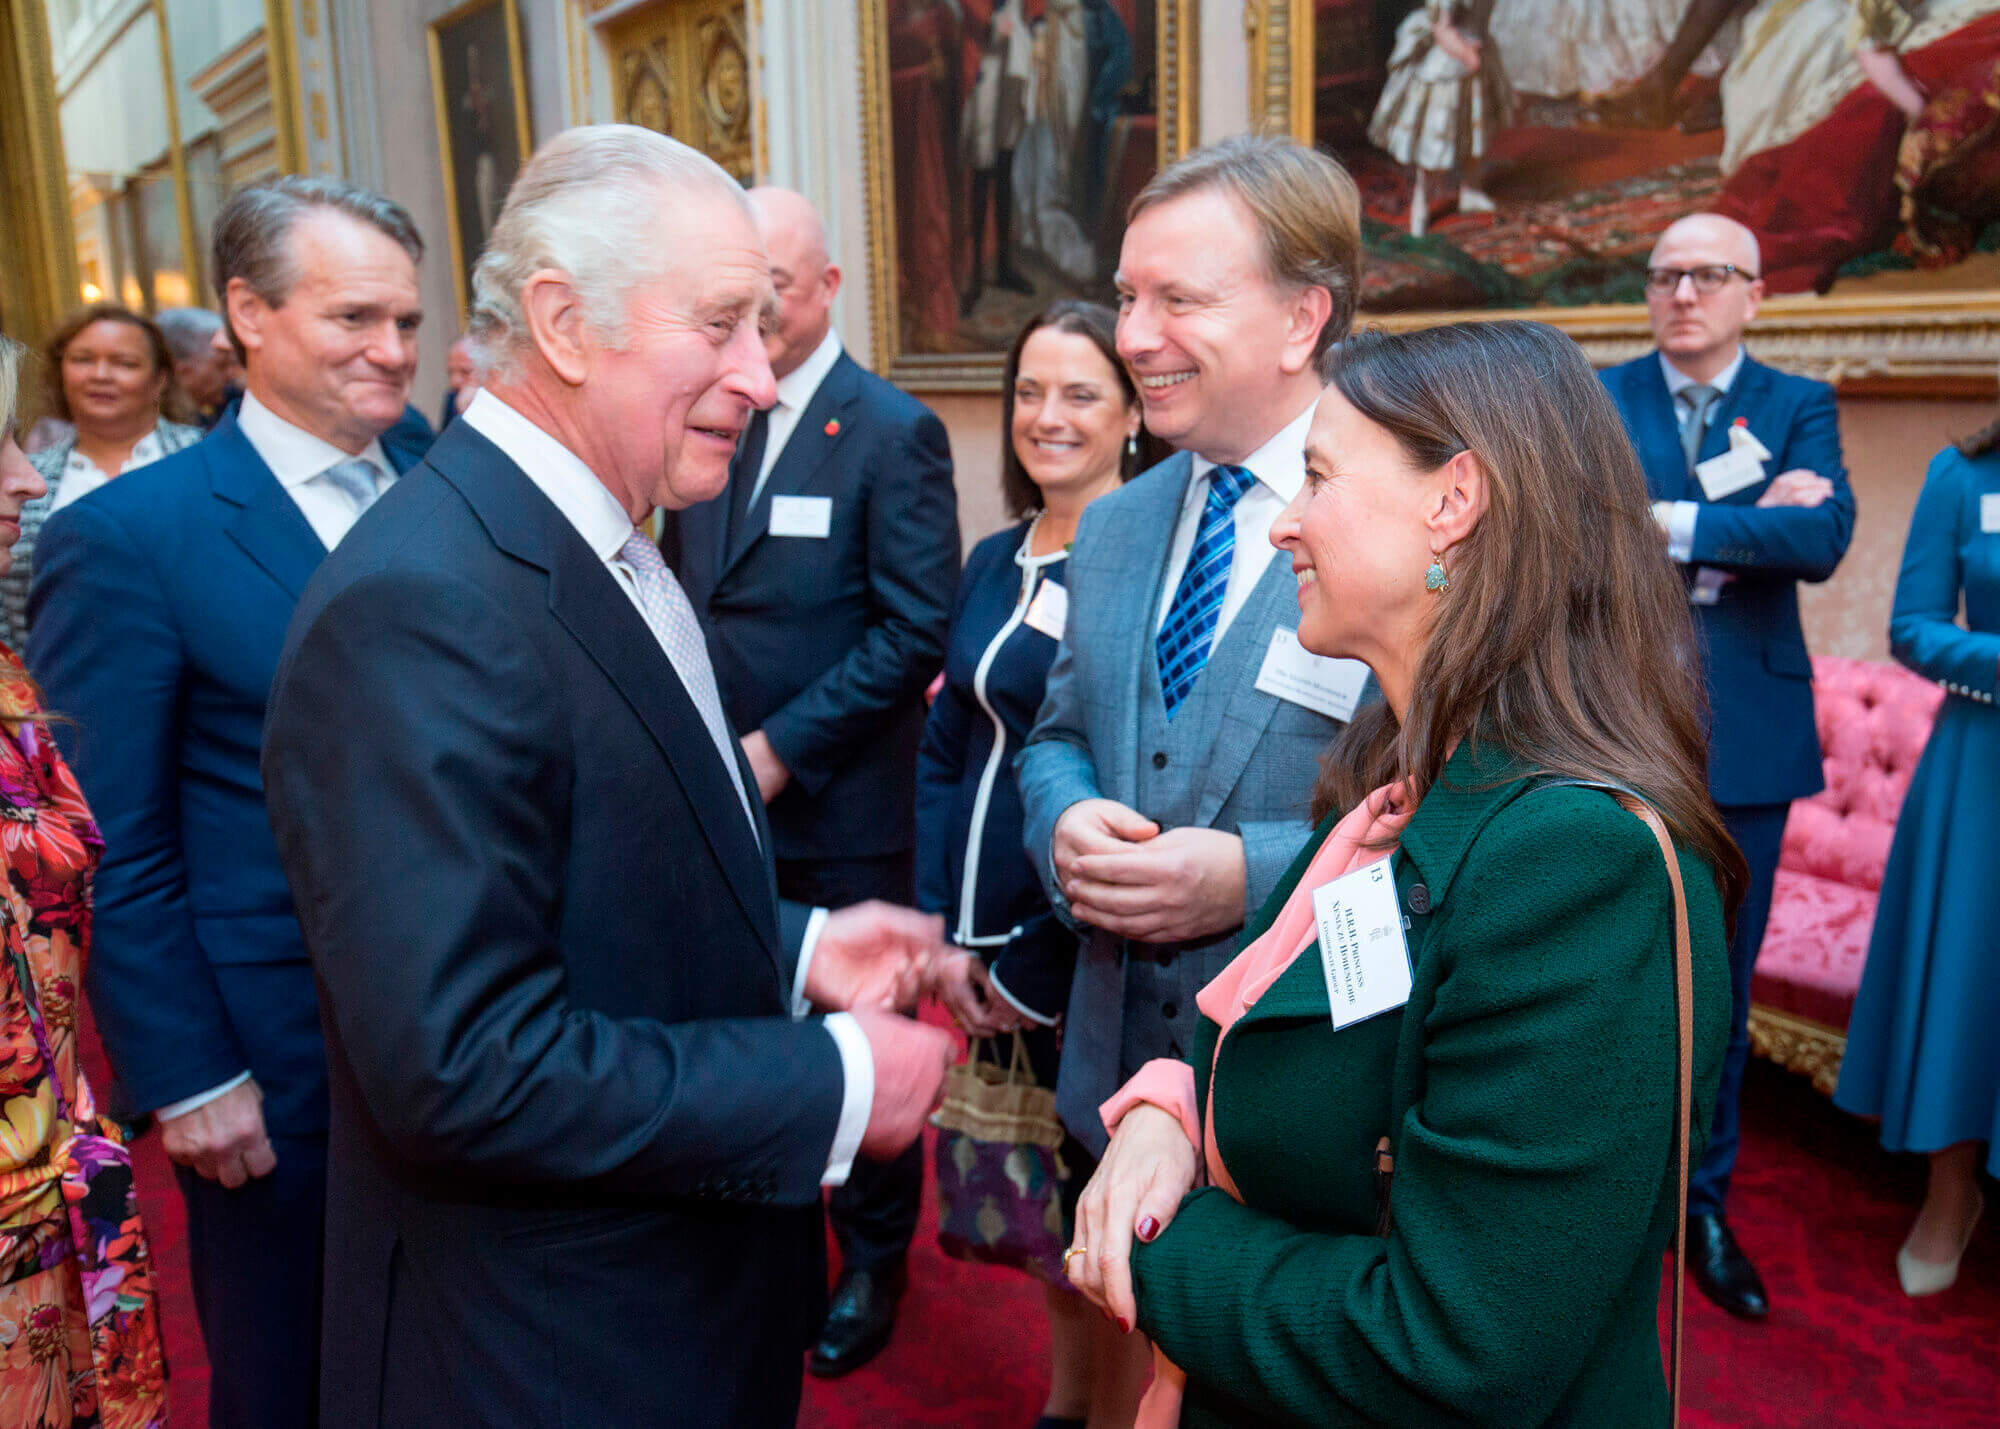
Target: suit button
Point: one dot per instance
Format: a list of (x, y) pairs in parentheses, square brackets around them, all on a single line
[(1170, 1010), (1160, 759), (1165, 960), (1419, 899)]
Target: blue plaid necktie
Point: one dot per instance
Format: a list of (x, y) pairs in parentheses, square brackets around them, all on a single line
[(1184, 639)]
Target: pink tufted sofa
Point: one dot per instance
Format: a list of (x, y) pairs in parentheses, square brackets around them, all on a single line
[(1873, 720)]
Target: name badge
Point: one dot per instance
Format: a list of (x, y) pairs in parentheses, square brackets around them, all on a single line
[(810, 516), (1989, 513), (1320, 683), (1729, 473), (1362, 949), (1048, 612)]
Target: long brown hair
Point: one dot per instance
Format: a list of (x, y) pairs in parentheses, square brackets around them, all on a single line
[(1100, 325), (1564, 634), (174, 403)]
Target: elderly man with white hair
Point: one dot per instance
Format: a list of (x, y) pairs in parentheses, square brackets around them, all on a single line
[(1743, 463), (581, 1116)]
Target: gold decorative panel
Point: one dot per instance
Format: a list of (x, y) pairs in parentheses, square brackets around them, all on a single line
[(682, 67)]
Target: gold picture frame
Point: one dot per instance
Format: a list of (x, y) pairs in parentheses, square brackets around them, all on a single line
[(1175, 92), (1942, 343), (461, 102)]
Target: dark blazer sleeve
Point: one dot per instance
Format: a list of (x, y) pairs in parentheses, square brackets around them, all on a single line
[(940, 766), (1924, 632), (1528, 1173), (912, 576), (104, 643), (1797, 542), (426, 834)]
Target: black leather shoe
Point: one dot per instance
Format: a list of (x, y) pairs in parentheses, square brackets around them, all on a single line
[(1721, 1269), (859, 1318)]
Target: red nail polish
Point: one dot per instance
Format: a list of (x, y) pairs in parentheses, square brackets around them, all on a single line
[(1148, 1228), (1123, 1328)]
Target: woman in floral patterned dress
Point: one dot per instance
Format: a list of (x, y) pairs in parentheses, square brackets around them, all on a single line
[(79, 1322)]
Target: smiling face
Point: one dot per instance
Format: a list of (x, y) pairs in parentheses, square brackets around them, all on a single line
[(20, 483), (109, 379), (670, 402), (337, 355), (1360, 540), (1219, 349), (1700, 332), (1071, 420)]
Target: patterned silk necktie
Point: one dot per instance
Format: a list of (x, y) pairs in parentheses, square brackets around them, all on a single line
[(671, 617), (354, 479), (1184, 640), (1696, 401)]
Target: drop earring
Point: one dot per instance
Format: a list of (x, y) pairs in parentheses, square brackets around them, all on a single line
[(1434, 577), (1131, 444)]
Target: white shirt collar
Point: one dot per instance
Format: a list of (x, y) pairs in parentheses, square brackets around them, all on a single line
[(294, 454), (796, 388), (585, 502), (147, 449), (1279, 464), (1678, 381)]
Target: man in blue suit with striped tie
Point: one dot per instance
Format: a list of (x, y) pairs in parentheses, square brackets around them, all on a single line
[(1743, 465)]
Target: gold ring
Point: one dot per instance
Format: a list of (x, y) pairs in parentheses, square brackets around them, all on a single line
[(1073, 1250)]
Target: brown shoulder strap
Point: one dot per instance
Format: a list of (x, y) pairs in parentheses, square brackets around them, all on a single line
[(1684, 1081)]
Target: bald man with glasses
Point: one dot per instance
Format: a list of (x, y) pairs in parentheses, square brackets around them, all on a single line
[(1743, 465)]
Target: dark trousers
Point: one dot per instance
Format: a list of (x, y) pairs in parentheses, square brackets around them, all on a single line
[(1759, 830), (875, 1214), (255, 1262)]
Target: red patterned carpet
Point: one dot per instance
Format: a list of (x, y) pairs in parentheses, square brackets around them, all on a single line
[(1818, 1205)]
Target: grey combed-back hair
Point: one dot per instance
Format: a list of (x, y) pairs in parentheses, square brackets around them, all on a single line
[(587, 204), (188, 331), (252, 230), (10, 381)]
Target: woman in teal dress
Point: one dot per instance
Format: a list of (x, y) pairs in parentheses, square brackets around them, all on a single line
[(1921, 1047), (1447, 1205)]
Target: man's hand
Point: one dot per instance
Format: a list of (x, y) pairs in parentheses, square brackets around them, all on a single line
[(959, 981), (1796, 488), (1184, 884), (1095, 826), (873, 955), (223, 1140), (910, 1060), (770, 771)]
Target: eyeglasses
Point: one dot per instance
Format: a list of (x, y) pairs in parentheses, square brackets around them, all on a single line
[(1708, 278)]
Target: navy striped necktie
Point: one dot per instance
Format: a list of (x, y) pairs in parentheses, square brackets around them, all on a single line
[(1189, 631)]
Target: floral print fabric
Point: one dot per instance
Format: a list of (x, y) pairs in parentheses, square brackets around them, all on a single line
[(79, 1325)]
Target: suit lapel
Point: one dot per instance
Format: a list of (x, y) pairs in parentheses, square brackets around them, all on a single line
[(1140, 575), (1235, 659), (266, 523), (807, 451), (585, 599), (1656, 431), (1746, 395)]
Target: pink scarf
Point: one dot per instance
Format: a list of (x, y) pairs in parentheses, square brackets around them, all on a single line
[(1366, 835)]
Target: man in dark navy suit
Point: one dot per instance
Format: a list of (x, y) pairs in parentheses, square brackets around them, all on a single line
[(580, 1117), (1744, 467), (824, 577), (160, 605)]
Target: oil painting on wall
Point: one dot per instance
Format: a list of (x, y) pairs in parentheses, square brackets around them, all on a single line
[(1518, 153)]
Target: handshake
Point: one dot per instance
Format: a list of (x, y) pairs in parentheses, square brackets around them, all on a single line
[(878, 961)]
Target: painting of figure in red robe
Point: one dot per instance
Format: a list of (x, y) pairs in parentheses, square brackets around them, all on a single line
[(1019, 131), (1525, 153)]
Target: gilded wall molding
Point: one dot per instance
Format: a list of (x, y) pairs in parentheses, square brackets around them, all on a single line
[(1280, 36), (878, 205), (39, 281), (281, 56), (1798, 1044)]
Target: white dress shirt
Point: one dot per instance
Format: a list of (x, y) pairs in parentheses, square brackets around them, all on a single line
[(1682, 516), (300, 460), (81, 475), (795, 393), (1280, 468), (588, 505)]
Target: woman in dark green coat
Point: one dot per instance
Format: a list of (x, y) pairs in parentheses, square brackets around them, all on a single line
[(1447, 1208)]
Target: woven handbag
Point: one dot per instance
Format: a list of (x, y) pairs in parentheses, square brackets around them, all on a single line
[(1000, 1170)]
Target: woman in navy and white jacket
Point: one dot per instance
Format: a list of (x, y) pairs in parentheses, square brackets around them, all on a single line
[(1071, 413)]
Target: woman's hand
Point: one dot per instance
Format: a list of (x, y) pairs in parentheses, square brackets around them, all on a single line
[(1146, 1169), (1455, 42), (961, 984)]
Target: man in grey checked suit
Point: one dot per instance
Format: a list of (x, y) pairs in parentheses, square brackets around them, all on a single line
[(1166, 784)]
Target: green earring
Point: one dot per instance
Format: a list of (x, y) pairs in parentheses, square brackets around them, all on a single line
[(1434, 577)]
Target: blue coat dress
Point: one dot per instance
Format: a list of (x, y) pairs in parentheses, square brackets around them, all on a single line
[(1921, 1053)]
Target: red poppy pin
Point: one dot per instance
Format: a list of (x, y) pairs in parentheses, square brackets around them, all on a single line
[(833, 427)]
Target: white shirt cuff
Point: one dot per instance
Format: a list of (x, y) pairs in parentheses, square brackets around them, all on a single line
[(200, 1099), (857, 1065), (1680, 531), (801, 1004)]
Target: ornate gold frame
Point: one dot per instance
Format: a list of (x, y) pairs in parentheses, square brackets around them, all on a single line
[(38, 282), (1178, 68), (1916, 343), (1798, 1044), (441, 107)]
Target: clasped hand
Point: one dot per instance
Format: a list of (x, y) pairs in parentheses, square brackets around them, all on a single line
[(873, 956), (1121, 874)]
